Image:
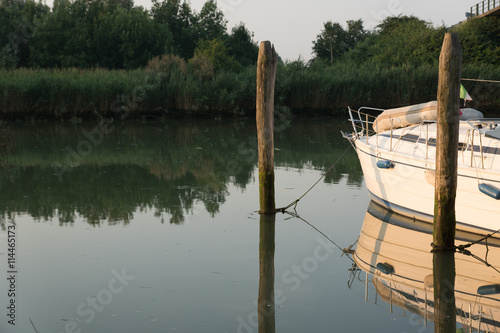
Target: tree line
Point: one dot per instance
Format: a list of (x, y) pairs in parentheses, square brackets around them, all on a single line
[(74, 59), (406, 40), (115, 34)]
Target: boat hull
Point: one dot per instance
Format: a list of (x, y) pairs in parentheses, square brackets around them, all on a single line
[(408, 188)]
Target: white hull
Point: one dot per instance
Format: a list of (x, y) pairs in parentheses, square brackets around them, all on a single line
[(408, 186)]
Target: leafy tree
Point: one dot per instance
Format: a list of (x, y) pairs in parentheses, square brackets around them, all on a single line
[(333, 41), (181, 22), (329, 43), (8, 58), (216, 52), (124, 4), (60, 38), (401, 40), (241, 46), (128, 39), (480, 40), (111, 34), (188, 30), (355, 33), (187, 26), (16, 30), (211, 21), (8, 15)]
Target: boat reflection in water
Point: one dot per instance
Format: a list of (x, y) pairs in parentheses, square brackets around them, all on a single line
[(394, 251)]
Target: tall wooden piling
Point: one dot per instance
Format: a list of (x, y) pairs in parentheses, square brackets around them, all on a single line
[(450, 71), (266, 76)]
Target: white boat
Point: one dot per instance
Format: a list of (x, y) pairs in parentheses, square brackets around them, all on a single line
[(394, 251), (397, 152)]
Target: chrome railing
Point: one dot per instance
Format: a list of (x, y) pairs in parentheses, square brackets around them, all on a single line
[(480, 128), (361, 120)]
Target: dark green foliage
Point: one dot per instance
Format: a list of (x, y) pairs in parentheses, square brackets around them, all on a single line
[(241, 45), (480, 40), (399, 41), (333, 41), (181, 21), (408, 40), (96, 33), (321, 87), (17, 19), (112, 34), (129, 39), (215, 52), (211, 21), (172, 87), (180, 62)]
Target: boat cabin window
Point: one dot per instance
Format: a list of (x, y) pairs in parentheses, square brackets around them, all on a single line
[(410, 137), (432, 141)]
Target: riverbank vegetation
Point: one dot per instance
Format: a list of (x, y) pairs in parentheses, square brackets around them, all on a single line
[(109, 58)]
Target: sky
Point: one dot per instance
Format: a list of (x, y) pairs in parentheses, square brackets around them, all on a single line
[(292, 25)]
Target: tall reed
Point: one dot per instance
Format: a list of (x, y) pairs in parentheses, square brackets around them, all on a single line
[(190, 90)]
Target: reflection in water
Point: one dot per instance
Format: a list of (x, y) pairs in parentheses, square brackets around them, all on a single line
[(65, 171), (396, 251), (266, 305), (443, 268), (199, 277)]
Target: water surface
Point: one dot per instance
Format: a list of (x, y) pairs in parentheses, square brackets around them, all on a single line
[(152, 227)]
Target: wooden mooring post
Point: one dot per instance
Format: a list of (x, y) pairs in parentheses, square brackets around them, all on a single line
[(266, 76), (450, 71)]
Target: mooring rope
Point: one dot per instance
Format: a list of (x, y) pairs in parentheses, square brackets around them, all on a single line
[(37, 331), (480, 80), (283, 209), (347, 251), (462, 249), (485, 238)]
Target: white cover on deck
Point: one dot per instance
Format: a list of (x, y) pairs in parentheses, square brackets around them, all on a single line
[(415, 114), (469, 113), (404, 116)]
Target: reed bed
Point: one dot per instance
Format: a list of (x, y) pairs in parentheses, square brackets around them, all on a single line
[(184, 91)]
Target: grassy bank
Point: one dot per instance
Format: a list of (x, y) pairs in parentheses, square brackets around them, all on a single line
[(191, 91)]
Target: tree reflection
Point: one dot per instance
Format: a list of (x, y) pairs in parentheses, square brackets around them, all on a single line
[(69, 172)]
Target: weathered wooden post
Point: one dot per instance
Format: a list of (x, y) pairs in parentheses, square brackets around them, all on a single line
[(266, 76), (450, 71)]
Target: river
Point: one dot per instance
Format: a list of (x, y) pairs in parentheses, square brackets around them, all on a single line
[(153, 227)]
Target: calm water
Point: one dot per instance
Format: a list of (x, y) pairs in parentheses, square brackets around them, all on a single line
[(152, 227)]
